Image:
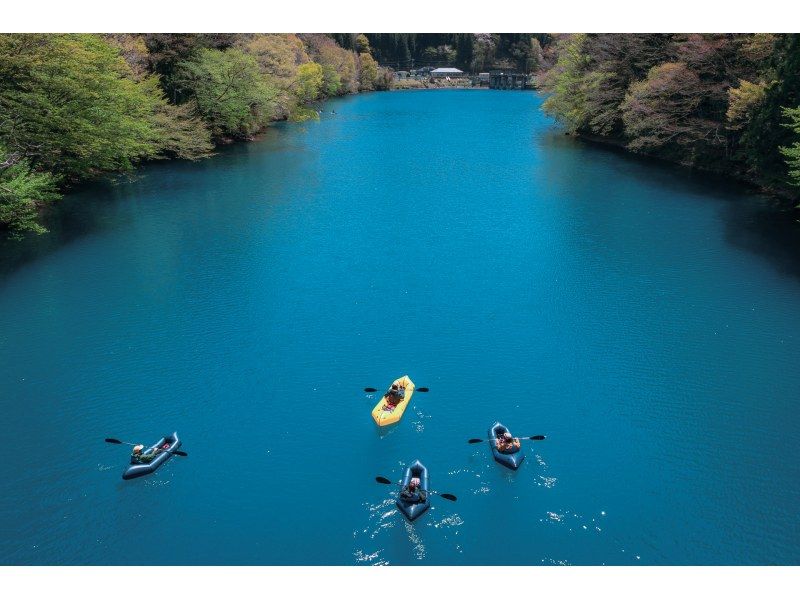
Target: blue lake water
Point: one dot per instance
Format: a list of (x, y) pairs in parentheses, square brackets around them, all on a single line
[(645, 319)]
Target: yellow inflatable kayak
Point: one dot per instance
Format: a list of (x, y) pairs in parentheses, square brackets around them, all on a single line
[(384, 414)]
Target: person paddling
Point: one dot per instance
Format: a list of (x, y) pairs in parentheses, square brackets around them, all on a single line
[(413, 493), (138, 456), (507, 443), (394, 396)]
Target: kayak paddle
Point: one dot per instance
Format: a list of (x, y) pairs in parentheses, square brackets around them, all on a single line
[(383, 480), (115, 441), (477, 440), (420, 389)]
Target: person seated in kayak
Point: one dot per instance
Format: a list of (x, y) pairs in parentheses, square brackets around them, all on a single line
[(507, 443), (137, 456), (394, 396), (412, 492)]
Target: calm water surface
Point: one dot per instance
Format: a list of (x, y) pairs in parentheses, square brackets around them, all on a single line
[(636, 315)]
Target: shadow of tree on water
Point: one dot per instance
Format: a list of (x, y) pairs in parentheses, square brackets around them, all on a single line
[(766, 226), (767, 230)]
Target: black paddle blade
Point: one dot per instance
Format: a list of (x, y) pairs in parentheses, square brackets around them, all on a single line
[(539, 437), (370, 389), (113, 441), (475, 440), (449, 497), (382, 480), (423, 389), (180, 453)]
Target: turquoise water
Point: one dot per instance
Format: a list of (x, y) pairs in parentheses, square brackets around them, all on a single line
[(644, 319)]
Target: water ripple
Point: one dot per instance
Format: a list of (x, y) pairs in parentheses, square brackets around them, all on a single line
[(416, 541)]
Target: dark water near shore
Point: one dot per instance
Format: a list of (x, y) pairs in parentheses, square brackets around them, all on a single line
[(644, 319)]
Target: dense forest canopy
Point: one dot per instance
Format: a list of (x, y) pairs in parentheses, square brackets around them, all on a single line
[(723, 102), (472, 52), (77, 106)]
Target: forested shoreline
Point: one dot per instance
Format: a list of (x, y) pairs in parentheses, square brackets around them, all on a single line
[(725, 103), (77, 106)]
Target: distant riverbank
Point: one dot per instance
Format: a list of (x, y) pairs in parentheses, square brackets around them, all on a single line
[(402, 84)]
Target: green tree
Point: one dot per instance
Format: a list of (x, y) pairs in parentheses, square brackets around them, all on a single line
[(743, 101), (310, 80), (566, 83), (792, 153), (331, 81), (337, 63), (444, 53), (71, 106), (484, 49), (231, 94), (22, 192), (465, 43), (168, 50), (764, 134), (369, 72), (133, 49), (362, 44), (279, 55), (527, 53)]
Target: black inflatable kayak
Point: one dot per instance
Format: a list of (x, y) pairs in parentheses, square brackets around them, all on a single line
[(164, 450), (510, 460), (413, 509)]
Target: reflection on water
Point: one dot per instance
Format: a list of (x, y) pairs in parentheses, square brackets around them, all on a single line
[(416, 542)]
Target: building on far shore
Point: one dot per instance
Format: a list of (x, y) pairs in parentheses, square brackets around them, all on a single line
[(443, 73), (507, 80)]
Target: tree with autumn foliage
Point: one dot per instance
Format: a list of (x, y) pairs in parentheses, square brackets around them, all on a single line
[(115, 100), (662, 109), (713, 101)]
